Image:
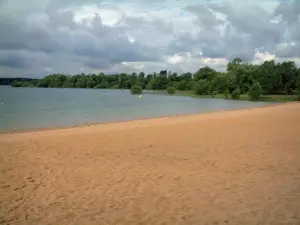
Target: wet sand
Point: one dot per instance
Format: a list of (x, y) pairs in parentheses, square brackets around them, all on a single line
[(233, 167)]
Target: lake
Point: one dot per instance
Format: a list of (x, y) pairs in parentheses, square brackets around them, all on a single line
[(31, 108)]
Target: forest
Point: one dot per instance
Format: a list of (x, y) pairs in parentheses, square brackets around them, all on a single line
[(9, 81), (268, 78)]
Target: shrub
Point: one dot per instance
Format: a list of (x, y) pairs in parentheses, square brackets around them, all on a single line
[(191, 84), (202, 87), (16, 83), (171, 90), (226, 94), (298, 87), (255, 91), (135, 89), (236, 94), (182, 85), (214, 93)]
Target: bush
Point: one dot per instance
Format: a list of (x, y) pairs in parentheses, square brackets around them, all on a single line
[(16, 84), (191, 84), (226, 94), (171, 90), (236, 94), (255, 91), (214, 93), (298, 87), (135, 89), (182, 85), (202, 87)]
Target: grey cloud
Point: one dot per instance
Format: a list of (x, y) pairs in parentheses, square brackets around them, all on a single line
[(205, 17), (97, 64), (39, 33), (246, 28), (290, 51), (56, 32), (289, 11), (22, 59)]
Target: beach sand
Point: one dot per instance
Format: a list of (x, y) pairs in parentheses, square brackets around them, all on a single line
[(232, 167)]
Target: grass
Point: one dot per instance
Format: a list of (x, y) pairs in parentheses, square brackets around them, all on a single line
[(270, 98)]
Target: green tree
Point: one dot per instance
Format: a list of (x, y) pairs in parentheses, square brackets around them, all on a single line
[(298, 86), (16, 83), (231, 66), (182, 85), (91, 83), (205, 73), (202, 87), (26, 84), (81, 82), (226, 94), (274, 78), (255, 91), (135, 89), (69, 83), (151, 84), (171, 90), (235, 95)]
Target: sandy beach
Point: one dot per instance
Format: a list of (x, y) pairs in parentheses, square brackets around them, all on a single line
[(234, 167)]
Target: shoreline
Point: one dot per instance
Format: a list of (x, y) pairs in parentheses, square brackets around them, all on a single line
[(87, 125), (237, 166), (191, 94), (243, 97)]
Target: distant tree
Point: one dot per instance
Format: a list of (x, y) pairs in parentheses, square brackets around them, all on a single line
[(191, 84), (226, 94), (202, 87), (104, 84), (234, 64), (16, 83), (298, 86), (135, 89), (171, 90), (240, 77), (163, 72), (26, 84), (182, 85), (205, 73), (214, 93), (81, 82), (90, 83), (151, 84), (69, 83), (236, 94), (255, 91)]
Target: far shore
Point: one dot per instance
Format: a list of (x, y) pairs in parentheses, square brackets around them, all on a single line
[(190, 93), (245, 97), (230, 167)]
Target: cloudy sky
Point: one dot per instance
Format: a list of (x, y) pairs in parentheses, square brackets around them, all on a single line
[(38, 37)]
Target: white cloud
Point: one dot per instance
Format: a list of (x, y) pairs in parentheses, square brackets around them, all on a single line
[(178, 58), (109, 17), (260, 57), (134, 65)]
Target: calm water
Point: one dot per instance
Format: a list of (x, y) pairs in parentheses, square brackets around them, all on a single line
[(28, 108)]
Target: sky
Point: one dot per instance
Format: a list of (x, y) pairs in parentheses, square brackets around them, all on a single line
[(41, 37)]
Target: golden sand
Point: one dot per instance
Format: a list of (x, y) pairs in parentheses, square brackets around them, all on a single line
[(233, 167)]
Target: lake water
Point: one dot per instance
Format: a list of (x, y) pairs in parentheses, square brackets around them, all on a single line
[(31, 108)]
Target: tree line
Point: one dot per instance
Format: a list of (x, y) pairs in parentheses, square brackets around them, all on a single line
[(9, 81), (268, 78)]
